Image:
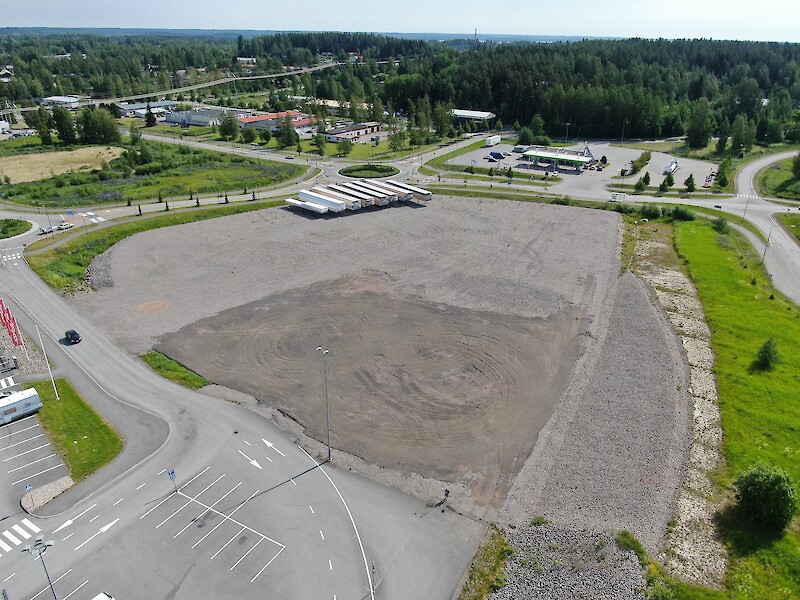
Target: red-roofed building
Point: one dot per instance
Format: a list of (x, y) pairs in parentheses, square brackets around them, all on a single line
[(272, 121)]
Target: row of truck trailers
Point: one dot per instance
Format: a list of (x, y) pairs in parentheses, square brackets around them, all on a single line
[(356, 194)]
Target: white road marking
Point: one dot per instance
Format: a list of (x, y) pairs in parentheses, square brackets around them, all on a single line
[(352, 522), (322, 535), (294, 482), (24, 453), (69, 522), (31, 463), (12, 538), (103, 529), (189, 501), (226, 517), (252, 462), (21, 531), (157, 505), (268, 564), (248, 443), (311, 509), (5, 546), (162, 471), (330, 565), (226, 543), (20, 431), (141, 486), (118, 501), (9, 577), (36, 474), (22, 442), (189, 524), (30, 526), (271, 445), (246, 553), (47, 588), (76, 589), (69, 536), (93, 518)]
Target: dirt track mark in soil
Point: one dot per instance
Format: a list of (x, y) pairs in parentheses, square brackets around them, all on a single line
[(442, 391)]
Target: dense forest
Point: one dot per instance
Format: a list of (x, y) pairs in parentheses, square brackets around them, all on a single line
[(592, 88)]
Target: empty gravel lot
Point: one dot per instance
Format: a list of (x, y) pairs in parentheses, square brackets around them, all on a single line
[(488, 346)]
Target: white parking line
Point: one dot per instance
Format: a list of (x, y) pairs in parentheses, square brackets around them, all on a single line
[(190, 523), (55, 581), (31, 463), (311, 508), (69, 536), (157, 505), (246, 553), (76, 589), (268, 563), (213, 556), (226, 517), (322, 535), (9, 577), (26, 452), (118, 501), (93, 518), (22, 442), (20, 431), (189, 501), (36, 474), (141, 486)]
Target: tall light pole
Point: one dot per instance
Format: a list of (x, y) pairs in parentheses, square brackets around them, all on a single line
[(325, 354), (763, 256), (566, 134), (37, 551)]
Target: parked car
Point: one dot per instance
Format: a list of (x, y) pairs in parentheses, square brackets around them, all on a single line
[(506, 153), (46, 230), (72, 336), (66, 225), (490, 159)]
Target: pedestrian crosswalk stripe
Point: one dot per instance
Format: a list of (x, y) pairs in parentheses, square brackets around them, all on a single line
[(22, 532), (12, 538), (30, 526)]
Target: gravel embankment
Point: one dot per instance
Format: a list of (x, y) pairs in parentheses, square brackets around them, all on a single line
[(558, 563)]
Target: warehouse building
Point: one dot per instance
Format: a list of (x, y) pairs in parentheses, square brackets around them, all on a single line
[(352, 132)]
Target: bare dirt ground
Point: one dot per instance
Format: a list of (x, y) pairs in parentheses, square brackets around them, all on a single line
[(32, 167), (454, 326)]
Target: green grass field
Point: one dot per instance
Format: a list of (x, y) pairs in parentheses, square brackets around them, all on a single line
[(368, 171), (83, 439), (64, 268), (174, 371), (152, 168), (778, 181), (760, 410), (11, 227)]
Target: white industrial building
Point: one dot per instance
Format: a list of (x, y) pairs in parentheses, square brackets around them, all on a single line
[(65, 101), (352, 131)]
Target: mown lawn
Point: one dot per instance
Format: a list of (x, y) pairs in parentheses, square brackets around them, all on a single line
[(778, 181), (83, 439), (760, 409)]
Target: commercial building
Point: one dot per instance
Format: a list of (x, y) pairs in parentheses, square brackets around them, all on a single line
[(273, 121), (555, 157), (203, 117), (65, 101), (130, 110), (352, 132), (462, 116)]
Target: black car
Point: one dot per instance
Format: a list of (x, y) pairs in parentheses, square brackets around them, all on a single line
[(72, 336)]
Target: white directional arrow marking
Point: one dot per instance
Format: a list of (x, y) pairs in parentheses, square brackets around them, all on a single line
[(271, 445), (103, 529), (252, 462), (69, 522)]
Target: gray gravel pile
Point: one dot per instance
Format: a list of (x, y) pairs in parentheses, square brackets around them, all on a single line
[(98, 274), (556, 563)]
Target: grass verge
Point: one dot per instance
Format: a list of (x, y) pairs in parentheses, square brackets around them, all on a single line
[(369, 171), (173, 370), (11, 227), (84, 440), (63, 268), (486, 574), (777, 180), (760, 409)]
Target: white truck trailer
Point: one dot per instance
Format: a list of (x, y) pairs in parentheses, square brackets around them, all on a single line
[(401, 194), (332, 204), (317, 208), (352, 203), (378, 199), (492, 140), (368, 185), (17, 405), (364, 198), (418, 192)]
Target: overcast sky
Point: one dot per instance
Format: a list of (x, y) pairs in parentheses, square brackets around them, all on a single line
[(770, 20)]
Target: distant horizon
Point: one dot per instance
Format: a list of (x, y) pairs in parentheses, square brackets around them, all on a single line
[(769, 21), (423, 35)]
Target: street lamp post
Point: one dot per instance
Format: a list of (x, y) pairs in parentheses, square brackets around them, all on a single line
[(325, 354), (37, 551), (769, 236), (566, 134)]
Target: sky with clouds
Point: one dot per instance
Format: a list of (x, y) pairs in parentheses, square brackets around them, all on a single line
[(765, 20)]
